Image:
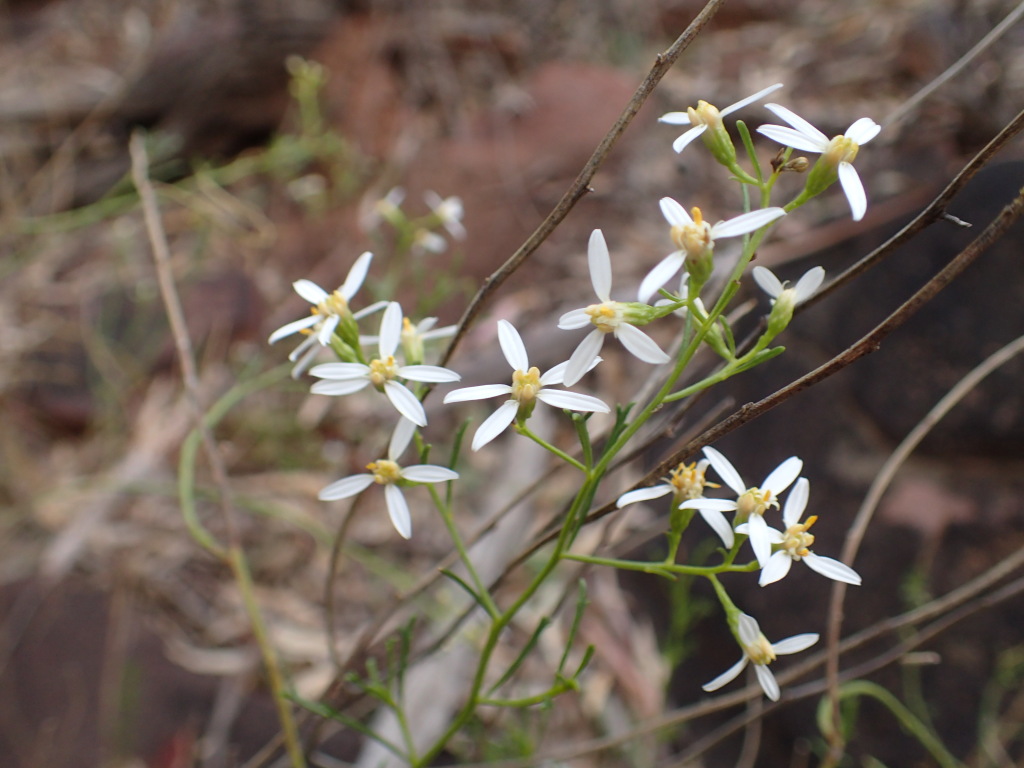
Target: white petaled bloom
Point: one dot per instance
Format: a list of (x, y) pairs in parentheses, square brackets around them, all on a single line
[(329, 309), (415, 336), (695, 240), (751, 502), (423, 240), (387, 208), (794, 545), (389, 473), (614, 317), (706, 116), (448, 211), (785, 298), (758, 650), (383, 372), (837, 153), (527, 388)]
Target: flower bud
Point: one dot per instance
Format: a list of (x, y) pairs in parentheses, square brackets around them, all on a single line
[(716, 138)]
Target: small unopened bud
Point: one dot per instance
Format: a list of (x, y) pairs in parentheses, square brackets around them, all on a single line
[(796, 165)]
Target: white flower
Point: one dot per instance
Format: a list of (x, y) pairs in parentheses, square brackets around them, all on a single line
[(392, 476), (387, 208), (758, 650), (795, 542), (752, 502), (839, 152), (528, 386), (448, 211), (329, 309), (776, 289), (607, 317), (382, 372), (706, 115), (695, 240)]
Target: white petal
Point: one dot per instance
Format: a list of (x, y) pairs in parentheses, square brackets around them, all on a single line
[(682, 142), (377, 306), (495, 424), (717, 505), (769, 684), (572, 401), (832, 569), (340, 371), (664, 271), (720, 525), (327, 329), (512, 346), (556, 375), (675, 118), (640, 345), (800, 124), (854, 190), (746, 222), (356, 276), (428, 473), (400, 438), (310, 291), (774, 536), (346, 487), (776, 568), (808, 284), (674, 213), (790, 138), (794, 644), (305, 360), (293, 327), (398, 510), (482, 392), (644, 494), (338, 388), (796, 502), (863, 131), (748, 629), (750, 99), (431, 374), (759, 542), (600, 266), (767, 280), (405, 403), (726, 677), (577, 318), (782, 476), (583, 357), (390, 329), (725, 470)]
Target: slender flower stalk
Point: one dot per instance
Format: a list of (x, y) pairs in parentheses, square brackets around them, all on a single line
[(615, 317), (383, 372), (527, 388), (393, 477), (761, 653), (837, 155)]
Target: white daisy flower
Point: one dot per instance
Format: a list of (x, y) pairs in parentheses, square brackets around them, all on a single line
[(794, 544), (752, 502), (614, 317), (449, 213), (329, 309), (695, 240), (707, 115), (758, 650), (528, 386), (798, 294), (383, 372), (393, 477), (837, 154)]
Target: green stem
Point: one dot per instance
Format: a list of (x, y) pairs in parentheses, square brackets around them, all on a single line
[(523, 429), (483, 595), (662, 569)]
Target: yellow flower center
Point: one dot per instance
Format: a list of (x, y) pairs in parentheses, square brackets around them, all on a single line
[(797, 542), (385, 471), (383, 370), (334, 304), (755, 502), (693, 239), (607, 316), (841, 150), (526, 385), (760, 652), (688, 481), (704, 114)]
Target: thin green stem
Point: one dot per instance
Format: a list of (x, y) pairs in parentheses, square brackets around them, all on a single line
[(662, 569), (481, 591), (523, 429)]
